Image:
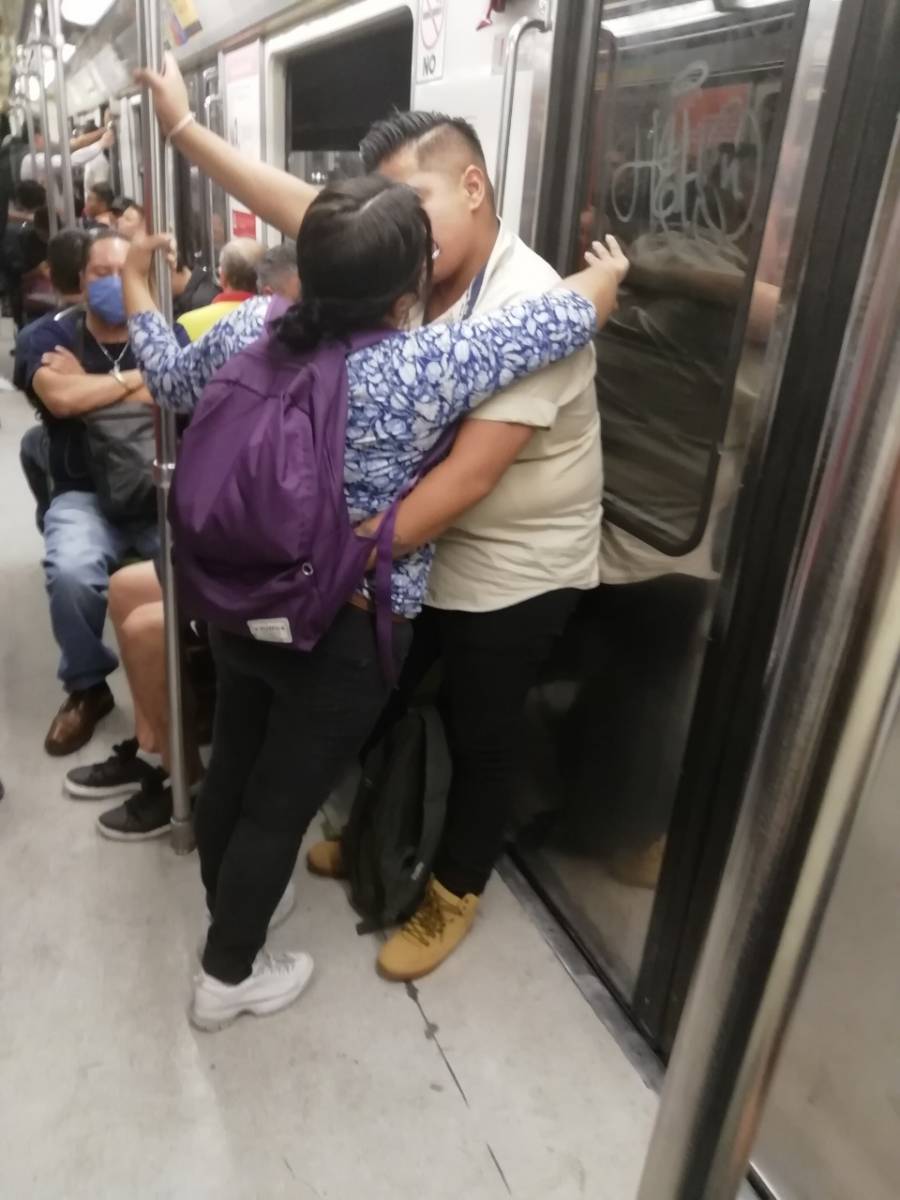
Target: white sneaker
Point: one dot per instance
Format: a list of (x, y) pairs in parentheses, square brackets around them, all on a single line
[(275, 982), (283, 910)]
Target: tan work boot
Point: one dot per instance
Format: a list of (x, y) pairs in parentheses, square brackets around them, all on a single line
[(327, 858), (639, 868), (434, 931)]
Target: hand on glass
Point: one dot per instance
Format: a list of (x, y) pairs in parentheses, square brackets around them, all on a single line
[(608, 256), (170, 98)]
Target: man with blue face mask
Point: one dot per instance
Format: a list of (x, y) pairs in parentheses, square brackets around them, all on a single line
[(79, 364)]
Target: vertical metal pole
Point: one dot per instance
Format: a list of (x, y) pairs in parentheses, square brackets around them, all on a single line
[(156, 205), (62, 108), (510, 70), (832, 698), (26, 104), (52, 191), (210, 78)]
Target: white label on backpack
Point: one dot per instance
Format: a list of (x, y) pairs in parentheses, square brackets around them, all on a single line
[(275, 629)]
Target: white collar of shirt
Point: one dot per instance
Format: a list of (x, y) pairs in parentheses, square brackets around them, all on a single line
[(503, 247)]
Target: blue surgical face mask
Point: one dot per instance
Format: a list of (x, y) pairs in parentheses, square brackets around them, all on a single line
[(104, 297)]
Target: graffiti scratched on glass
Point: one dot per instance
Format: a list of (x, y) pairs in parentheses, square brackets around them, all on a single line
[(697, 166)]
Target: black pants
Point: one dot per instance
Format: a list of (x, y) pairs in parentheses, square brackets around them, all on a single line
[(489, 662), (286, 725)]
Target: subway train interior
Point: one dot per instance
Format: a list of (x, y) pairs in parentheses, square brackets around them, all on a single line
[(683, 981)]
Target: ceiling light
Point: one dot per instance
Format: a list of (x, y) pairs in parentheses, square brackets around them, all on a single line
[(85, 12), (669, 17)]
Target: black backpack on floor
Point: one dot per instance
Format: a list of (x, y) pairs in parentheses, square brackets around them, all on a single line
[(397, 819)]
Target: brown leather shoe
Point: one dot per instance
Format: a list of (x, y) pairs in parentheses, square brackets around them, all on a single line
[(74, 724)]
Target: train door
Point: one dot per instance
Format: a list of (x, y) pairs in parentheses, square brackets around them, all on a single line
[(697, 130), (316, 128)]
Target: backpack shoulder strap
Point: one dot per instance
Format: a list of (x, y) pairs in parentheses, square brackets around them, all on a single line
[(438, 774), (78, 329)]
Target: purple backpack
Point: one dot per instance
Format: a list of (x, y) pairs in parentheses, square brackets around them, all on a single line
[(264, 545)]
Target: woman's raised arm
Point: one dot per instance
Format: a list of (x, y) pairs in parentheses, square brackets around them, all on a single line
[(274, 196)]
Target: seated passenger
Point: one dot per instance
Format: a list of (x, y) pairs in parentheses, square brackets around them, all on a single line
[(138, 617), (77, 365), (287, 723), (65, 255), (277, 273), (238, 282), (98, 208), (136, 610), (132, 222)]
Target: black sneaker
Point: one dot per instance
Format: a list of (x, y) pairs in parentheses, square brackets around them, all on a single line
[(119, 775), (143, 816)]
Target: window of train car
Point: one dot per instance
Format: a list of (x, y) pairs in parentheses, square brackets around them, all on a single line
[(685, 105), (190, 191), (326, 122)]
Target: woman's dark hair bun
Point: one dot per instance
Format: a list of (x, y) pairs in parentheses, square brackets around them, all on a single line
[(363, 244)]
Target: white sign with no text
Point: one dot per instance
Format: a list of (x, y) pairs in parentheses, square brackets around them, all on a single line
[(432, 38)]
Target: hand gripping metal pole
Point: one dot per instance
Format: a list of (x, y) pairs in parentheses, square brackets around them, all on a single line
[(510, 69), (62, 108), (833, 693), (156, 205)]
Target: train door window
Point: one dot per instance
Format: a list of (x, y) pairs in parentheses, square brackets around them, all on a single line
[(685, 100), (686, 106), (190, 208), (327, 122), (215, 199)]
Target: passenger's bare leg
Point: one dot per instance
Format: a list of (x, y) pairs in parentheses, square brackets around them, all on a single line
[(130, 589), (142, 643)]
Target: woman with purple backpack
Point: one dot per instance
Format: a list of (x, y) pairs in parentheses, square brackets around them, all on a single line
[(335, 405)]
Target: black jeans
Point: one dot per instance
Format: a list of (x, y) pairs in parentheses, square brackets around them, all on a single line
[(286, 725), (489, 662)]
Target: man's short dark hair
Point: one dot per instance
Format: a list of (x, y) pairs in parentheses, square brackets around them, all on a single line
[(30, 195), (93, 236), (120, 203), (65, 258), (427, 132), (104, 194)]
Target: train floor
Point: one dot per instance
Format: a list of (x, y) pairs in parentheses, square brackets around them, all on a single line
[(492, 1078)]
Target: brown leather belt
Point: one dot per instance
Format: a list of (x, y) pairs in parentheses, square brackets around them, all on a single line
[(358, 600)]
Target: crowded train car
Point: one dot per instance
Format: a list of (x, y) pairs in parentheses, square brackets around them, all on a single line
[(451, 564)]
